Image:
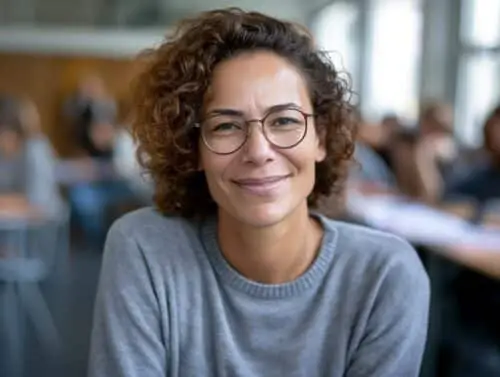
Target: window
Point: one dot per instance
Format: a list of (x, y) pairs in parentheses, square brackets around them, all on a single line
[(479, 68), (478, 92), (394, 48), (335, 32), (480, 22)]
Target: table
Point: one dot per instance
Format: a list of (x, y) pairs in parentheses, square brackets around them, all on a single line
[(447, 234)]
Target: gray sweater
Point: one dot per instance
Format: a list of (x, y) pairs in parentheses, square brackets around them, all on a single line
[(169, 304)]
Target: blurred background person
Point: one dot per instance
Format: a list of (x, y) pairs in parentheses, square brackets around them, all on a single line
[(389, 127), (433, 153), (483, 182), (437, 151), (91, 95), (27, 180), (99, 187), (475, 345), (372, 158), (127, 167)]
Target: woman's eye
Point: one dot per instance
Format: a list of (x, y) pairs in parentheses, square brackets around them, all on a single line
[(226, 127), (282, 121)]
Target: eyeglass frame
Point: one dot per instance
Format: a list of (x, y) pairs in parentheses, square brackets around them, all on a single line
[(306, 116)]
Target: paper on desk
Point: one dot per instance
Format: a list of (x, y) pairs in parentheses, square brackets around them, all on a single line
[(419, 223)]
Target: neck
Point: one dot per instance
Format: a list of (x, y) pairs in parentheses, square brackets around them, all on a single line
[(275, 254)]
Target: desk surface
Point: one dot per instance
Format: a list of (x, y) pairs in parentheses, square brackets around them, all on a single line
[(9, 221), (484, 261), (477, 247)]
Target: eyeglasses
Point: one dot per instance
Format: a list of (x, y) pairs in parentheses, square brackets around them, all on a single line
[(225, 134)]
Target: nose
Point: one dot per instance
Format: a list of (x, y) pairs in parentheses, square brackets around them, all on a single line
[(257, 149)]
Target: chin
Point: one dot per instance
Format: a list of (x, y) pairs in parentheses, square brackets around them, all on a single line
[(261, 216)]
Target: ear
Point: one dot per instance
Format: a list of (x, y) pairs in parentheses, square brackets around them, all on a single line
[(320, 152), (320, 145)]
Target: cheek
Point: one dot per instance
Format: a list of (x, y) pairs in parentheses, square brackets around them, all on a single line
[(313, 142), (214, 167), (312, 149), (320, 153), (303, 158)]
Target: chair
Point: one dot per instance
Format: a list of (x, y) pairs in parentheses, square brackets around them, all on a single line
[(30, 251)]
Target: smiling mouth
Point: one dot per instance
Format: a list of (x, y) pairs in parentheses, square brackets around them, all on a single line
[(261, 186), (260, 181)]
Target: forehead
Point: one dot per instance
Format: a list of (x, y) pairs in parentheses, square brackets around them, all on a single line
[(255, 81)]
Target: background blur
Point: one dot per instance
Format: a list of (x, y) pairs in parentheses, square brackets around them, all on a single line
[(426, 75)]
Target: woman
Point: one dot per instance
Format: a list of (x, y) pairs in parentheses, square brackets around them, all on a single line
[(242, 126), (28, 185)]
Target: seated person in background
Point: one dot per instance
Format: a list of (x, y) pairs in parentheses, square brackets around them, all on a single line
[(37, 144), (91, 92), (232, 273), (369, 170), (483, 182), (479, 296), (27, 181), (96, 133), (402, 154), (99, 187), (127, 166), (125, 160), (368, 173), (390, 126), (436, 151)]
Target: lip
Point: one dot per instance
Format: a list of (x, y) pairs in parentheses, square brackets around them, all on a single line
[(264, 186)]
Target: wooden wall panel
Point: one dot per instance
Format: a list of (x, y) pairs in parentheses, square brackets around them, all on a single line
[(48, 80)]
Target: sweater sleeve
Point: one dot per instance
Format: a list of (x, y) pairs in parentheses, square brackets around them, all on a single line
[(127, 336), (395, 334)]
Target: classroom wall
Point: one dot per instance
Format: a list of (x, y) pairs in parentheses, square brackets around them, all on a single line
[(49, 79)]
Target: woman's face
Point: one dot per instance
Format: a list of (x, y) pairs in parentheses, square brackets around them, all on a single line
[(260, 184)]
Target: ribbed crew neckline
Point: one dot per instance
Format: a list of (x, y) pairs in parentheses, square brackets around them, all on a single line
[(311, 278)]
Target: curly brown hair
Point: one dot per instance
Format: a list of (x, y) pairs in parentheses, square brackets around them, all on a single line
[(169, 94)]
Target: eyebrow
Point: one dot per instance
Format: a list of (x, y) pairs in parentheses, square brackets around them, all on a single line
[(234, 112)]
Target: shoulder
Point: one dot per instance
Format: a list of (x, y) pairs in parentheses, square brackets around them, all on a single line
[(376, 253), (358, 239), (145, 245), (148, 224), (381, 270), (152, 233)]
